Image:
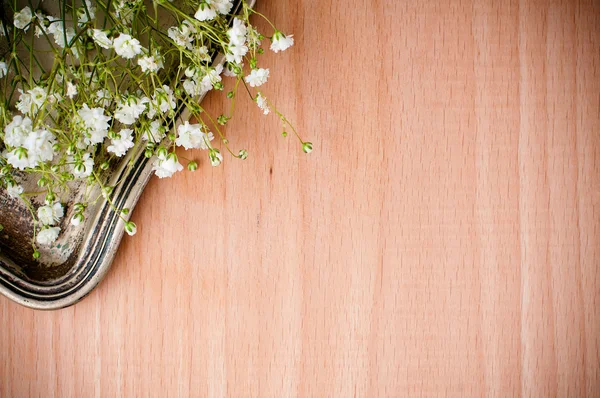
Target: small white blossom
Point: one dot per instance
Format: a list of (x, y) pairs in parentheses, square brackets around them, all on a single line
[(77, 219), (257, 77), (262, 103), (23, 18), (166, 166), (83, 167), (163, 100), (96, 124), (101, 38), (17, 131), (237, 33), (222, 6), (130, 228), (281, 42), (48, 236), (149, 64), (82, 15), (32, 100), (50, 214), (103, 97), (155, 132), (215, 157), (71, 90), (191, 136), (126, 46), (14, 190), (3, 69), (121, 144), (129, 111), (205, 12)]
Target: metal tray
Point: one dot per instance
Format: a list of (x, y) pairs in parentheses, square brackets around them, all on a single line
[(81, 257)]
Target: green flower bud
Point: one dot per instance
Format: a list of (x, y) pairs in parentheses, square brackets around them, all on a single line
[(253, 63), (172, 136), (230, 95), (125, 211), (148, 153), (307, 147), (162, 152), (192, 166), (261, 50), (36, 254), (130, 228), (243, 154), (50, 197), (78, 207), (104, 165), (218, 86), (284, 133)]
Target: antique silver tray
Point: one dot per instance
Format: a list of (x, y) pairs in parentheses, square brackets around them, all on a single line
[(82, 255)]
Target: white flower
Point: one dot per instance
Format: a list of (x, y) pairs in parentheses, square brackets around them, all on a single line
[(237, 33), (59, 36), (32, 100), (122, 143), (83, 167), (49, 215), (18, 158), (22, 19), (130, 228), (17, 130), (281, 42), (71, 90), (163, 100), (166, 166), (3, 69), (215, 157), (48, 236), (202, 53), (205, 12), (149, 64), (182, 36), (126, 46), (14, 190), (77, 219), (96, 124), (262, 103), (222, 6), (82, 15), (130, 110), (39, 145), (101, 38), (192, 136), (155, 133), (257, 77), (103, 97)]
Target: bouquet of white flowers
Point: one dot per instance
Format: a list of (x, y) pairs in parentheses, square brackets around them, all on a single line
[(85, 86)]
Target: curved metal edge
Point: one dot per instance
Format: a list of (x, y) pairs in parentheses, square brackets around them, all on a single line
[(105, 242)]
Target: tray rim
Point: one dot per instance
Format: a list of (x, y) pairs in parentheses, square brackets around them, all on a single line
[(100, 244)]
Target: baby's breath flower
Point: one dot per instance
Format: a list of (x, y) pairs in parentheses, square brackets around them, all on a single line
[(262, 103), (47, 236), (149, 64), (205, 12), (281, 42), (23, 18), (130, 228), (77, 219), (127, 46), (129, 110), (3, 69), (14, 190), (166, 166), (50, 214), (71, 90), (215, 157), (191, 136), (257, 77), (101, 38), (121, 143)]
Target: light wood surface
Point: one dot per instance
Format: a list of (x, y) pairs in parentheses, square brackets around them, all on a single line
[(443, 239)]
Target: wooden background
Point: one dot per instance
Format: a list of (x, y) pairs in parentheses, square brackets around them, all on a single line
[(443, 239)]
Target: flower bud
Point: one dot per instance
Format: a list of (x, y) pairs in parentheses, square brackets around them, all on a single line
[(307, 147), (215, 157), (192, 166), (148, 153), (78, 207), (172, 136), (218, 86), (130, 228), (230, 95), (243, 154), (104, 165), (77, 219), (284, 133), (50, 197), (125, 211), (36, 254), (162, 152)]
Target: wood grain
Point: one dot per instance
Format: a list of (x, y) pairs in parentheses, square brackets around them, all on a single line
[(442, 240)]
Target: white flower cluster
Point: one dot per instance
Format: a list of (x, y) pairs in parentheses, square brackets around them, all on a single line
[(108, 94)]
